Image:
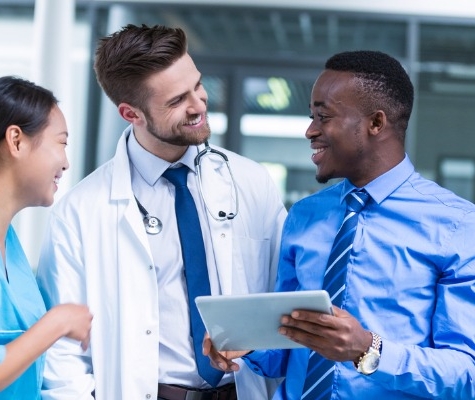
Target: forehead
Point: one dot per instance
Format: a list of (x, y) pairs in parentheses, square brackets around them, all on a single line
[(176, 78), (332, 88), (55, 120)]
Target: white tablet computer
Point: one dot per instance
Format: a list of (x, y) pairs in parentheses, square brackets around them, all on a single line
[(251, 321)]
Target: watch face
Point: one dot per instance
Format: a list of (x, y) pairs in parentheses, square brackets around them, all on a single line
[(370, 362)]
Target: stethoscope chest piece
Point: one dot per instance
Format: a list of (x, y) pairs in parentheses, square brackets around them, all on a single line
[(152, 225)]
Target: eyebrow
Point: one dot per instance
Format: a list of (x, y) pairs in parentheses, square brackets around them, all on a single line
[(318, 104)]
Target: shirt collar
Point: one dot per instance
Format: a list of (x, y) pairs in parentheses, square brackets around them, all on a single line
[(151, 167), (385, 184)]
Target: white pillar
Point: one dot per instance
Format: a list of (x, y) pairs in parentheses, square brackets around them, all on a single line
[(111, 123), (52, 68)]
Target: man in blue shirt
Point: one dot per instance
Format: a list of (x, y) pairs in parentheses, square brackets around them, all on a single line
[(403, 330)]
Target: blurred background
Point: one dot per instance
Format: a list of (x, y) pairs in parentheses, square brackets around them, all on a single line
[(259, 60)]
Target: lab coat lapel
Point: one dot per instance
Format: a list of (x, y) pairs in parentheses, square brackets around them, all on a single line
[(217, 187), (121, 192)]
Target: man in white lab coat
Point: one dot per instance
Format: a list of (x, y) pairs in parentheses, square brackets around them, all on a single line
[(104, 248)]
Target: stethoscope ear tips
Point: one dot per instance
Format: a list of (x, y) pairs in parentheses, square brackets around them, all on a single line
[(222, 214)]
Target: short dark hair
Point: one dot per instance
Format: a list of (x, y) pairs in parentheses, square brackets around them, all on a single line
[(125, 59), (382, 84), (24, 104)]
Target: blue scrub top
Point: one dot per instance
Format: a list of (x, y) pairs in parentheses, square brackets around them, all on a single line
[(21, 306)]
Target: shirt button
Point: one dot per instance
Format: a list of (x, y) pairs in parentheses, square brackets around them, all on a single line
[(148, 396), (148, 332), (223, 235), (150, 267)]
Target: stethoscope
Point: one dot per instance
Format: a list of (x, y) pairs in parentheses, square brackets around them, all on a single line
[(153, 225)]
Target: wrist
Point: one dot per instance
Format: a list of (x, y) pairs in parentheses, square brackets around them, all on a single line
[(368, 362), (57, 322), (366, 345)]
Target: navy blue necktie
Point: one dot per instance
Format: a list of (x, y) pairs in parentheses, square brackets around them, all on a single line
[(318, 383), (196, 270)]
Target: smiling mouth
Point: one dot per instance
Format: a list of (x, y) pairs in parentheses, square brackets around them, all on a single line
[(195, 121), (319, 150), (316, 154)]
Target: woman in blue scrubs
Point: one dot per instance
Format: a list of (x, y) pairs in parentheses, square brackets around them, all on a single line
[(33, 138)]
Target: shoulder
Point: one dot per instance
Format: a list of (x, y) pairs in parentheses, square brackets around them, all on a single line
[(246, 172), (88, 190), (240, 160), (437, 195), (326, 198)]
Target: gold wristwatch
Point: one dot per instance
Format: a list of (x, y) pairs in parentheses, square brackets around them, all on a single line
[(369, 361)]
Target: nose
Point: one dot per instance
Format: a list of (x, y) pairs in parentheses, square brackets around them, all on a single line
[(313, 129), (66, 164), (199, 101)]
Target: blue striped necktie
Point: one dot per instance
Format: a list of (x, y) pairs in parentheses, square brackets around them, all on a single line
[(319, 379), (196, 270)]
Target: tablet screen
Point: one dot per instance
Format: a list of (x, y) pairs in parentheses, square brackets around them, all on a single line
[(251, 321)]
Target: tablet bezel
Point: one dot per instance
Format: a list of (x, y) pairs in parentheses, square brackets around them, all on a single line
[(251, 321)]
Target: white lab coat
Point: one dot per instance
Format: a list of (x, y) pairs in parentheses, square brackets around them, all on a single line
[(96, 251)]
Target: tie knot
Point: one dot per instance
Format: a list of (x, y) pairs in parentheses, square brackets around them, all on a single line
[(356, 200), (177, 176)]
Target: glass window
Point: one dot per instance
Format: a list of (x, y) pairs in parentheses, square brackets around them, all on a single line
[(273, 126), (446, 94), (217, 90)]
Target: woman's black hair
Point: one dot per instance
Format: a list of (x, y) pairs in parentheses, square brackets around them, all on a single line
[(24, 104)]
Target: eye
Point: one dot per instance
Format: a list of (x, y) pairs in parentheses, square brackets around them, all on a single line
[(177, 101), (322, 117)]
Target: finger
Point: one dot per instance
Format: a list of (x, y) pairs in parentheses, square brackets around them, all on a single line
[(85, 343), (207, 346), (219, 361), (311, 321), (227, 365)]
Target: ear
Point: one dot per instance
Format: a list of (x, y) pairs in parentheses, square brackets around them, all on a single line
[(378, 122), (129, 113), (14, 138)]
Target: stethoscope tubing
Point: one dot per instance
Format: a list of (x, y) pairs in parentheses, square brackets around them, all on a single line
[(222, 216), (153, 225)]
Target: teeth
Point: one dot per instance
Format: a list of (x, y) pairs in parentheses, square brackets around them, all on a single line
[(319, 150), (56, 180), (194, 122)]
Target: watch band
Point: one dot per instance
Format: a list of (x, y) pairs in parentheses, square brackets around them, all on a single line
[(377, 343), (373, 351)]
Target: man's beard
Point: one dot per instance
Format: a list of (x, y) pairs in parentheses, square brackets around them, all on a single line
[(181, 139)]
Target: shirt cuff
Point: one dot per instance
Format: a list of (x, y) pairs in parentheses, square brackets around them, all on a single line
[(390, 360)]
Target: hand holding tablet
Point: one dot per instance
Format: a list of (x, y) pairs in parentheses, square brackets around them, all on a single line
[(251, 321)]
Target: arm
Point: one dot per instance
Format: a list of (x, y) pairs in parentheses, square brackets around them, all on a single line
[(270, 361), (60, 275), (73, 321), (440, 363)]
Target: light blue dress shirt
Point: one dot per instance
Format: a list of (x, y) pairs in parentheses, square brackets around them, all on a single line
[(21, 306), (157, 195), (410, 279)]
